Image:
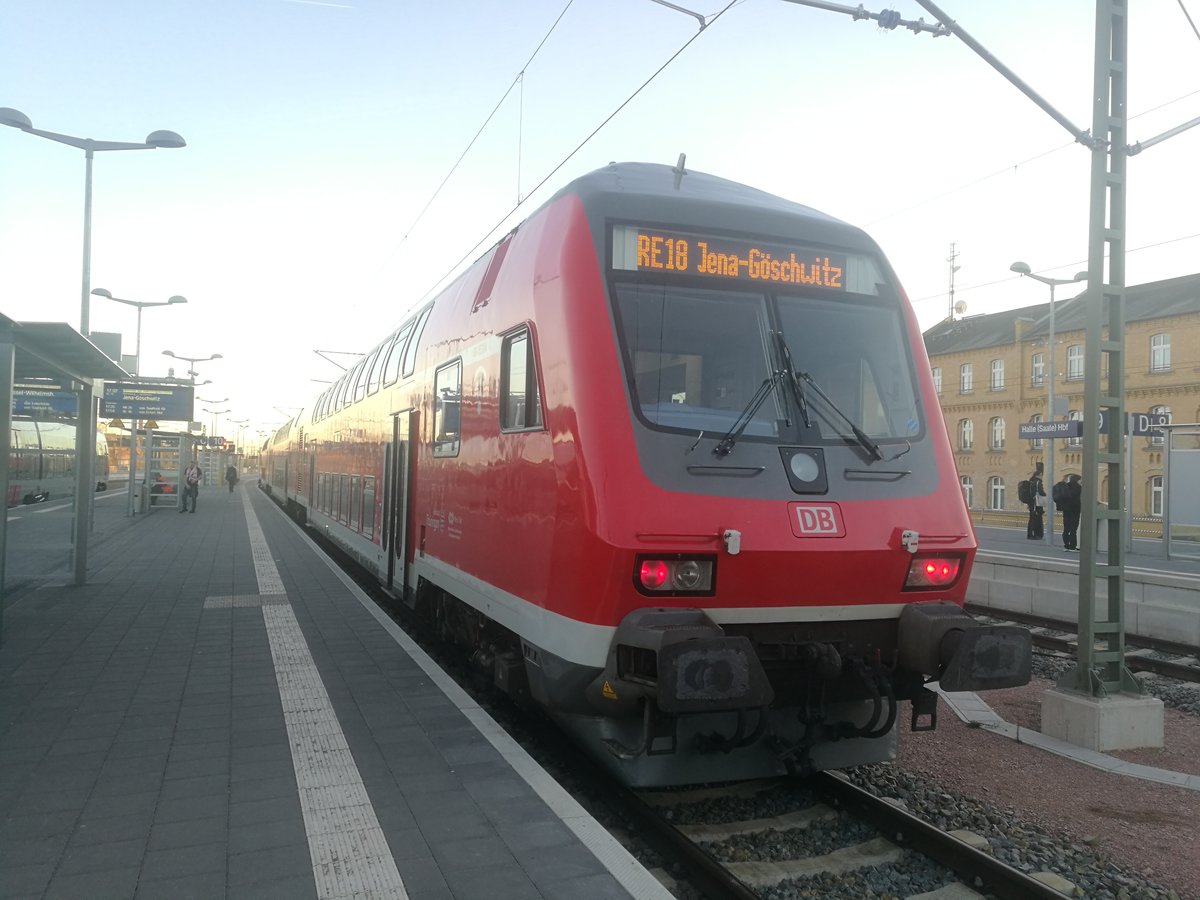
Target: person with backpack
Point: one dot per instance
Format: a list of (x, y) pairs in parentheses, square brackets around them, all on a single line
[(191, 486), (1032, 492), (231, 477), (1071, 492)]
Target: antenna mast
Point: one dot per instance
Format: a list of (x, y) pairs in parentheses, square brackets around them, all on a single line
[(953, 268)]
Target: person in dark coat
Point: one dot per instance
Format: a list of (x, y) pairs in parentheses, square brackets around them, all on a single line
[(1037, 505), (1071, 507)]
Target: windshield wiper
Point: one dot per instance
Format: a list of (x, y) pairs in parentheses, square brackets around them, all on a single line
[(739, 424), (785, 353), (859, 435), (773, 382)]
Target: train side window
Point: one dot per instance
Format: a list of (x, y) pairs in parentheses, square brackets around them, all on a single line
[(356, 375), (339, 388), (368, 501), (391, 368), (410, 355), (355, 499), (360, 383), (377, 361), (447, 401), (520, 404)]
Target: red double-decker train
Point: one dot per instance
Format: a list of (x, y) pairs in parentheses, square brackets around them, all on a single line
[(668, 460)]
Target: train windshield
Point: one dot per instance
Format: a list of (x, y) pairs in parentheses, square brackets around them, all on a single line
[(701, 358)]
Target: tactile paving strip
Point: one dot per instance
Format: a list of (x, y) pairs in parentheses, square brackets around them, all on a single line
[(349, 852)]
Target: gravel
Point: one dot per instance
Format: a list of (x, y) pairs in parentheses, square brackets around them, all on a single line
[(1112, 835)]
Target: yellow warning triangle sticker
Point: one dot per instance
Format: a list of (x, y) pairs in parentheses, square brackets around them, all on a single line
[(608, 692)]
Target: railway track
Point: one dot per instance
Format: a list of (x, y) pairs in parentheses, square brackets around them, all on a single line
[(858, 835), (701, 829), (1179, 661)]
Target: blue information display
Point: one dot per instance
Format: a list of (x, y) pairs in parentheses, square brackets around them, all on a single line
[(143, 400), (39, 401)]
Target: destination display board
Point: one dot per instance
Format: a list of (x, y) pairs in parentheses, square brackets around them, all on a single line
[(667, 251), (148, 400), (32, 400)]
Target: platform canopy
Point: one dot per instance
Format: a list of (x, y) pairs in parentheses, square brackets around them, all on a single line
[(55, 351)]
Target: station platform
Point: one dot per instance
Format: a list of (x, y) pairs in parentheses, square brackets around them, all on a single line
[(220, 713)]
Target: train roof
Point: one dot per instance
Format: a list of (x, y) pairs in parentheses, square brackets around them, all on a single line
[(652, 186)]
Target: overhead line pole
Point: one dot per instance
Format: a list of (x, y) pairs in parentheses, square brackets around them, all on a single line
[(1097, 672)]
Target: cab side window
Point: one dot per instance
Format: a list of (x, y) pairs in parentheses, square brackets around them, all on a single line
[(520, 404), (447, 402)]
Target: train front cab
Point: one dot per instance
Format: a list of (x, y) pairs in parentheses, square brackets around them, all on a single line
[(782, 419)]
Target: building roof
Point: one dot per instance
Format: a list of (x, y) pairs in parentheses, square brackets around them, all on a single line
[(1154, 300)]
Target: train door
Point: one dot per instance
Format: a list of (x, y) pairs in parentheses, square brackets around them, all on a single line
[(397, 474)]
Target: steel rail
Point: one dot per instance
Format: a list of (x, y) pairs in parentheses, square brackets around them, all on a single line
[(980, 870)]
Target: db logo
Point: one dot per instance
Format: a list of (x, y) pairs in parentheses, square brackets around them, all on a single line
[(816, 520)]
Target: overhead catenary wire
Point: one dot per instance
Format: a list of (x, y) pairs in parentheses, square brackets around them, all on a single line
[(579, 147), (519, 79)]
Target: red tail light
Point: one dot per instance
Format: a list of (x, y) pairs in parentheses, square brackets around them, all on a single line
[(931, 573), (675, 576), (654, 574)]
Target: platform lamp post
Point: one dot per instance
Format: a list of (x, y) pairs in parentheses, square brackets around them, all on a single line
[(155, 140), (133, 432), (1023, 270), (214, 413), (241, 427), (85, 435), (192, 360)]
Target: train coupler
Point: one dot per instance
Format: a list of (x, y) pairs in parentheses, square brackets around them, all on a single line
[(939, 640)]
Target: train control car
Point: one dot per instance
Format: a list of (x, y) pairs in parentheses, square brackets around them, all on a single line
[(668, 460)]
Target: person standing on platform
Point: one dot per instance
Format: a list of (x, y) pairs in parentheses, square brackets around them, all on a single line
[(1071, 507), (1037, 505), (191, 485), (231, 477)]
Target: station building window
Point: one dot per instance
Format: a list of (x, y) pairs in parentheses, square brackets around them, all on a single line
[(968, 489), (1075, 362), (1075, 416), (1037, 369), (996, 433), (1160, 353), (1156, 437), (996, 492), (1036, 443), (966, 434), (937, 378), (966, 378), (997, 382)]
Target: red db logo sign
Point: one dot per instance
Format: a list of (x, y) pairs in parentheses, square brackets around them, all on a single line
[(816, 520)]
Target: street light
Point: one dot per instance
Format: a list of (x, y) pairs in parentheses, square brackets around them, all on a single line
[(140, 304), (1024, 271), (214, 412), (193, 360), (133, 432), (241, 427), (165, 139)]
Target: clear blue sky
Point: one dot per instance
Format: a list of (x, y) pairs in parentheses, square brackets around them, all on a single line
[(318, 131)]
